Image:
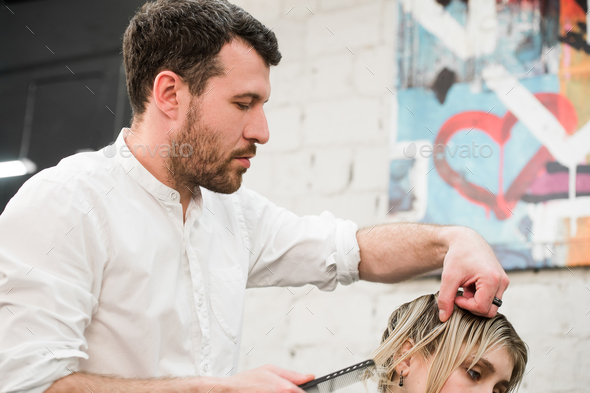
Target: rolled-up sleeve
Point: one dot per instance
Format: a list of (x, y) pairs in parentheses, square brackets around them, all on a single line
[(50, 259), (288, 250)]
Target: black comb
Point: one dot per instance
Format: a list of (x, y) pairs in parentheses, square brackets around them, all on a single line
[(338, 380)]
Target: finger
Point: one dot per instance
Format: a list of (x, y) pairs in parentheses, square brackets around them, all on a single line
[(500, 294), (502, 282), (468, 291), (446, 297), (292, 376), (481, 302)]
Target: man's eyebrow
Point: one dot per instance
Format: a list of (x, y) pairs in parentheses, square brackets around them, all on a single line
[(253, 95)]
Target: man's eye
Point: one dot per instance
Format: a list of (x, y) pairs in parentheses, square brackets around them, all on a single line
[(243, 106), (474, 375)]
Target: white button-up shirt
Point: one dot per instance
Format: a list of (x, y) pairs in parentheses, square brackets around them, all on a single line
[(99, 273)]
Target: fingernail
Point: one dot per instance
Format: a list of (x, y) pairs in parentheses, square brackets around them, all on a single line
[(441, 314)]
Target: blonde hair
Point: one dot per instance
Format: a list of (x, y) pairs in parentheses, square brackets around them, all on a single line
[(446, 345)]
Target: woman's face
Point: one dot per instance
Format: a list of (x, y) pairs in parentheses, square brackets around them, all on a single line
[(490, 374)]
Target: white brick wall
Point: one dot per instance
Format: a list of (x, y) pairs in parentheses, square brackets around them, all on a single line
[(330, 117)]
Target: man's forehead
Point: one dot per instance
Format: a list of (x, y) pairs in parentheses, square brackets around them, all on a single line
[(238, 52), (244, 71)]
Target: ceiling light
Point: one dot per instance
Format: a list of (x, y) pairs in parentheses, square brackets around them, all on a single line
[(20, 167)]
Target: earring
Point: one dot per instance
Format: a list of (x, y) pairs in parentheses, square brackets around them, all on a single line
[(401, 379)]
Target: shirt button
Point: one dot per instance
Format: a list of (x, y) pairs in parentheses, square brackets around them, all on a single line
[(173, 196), (206, 368), (200, 303)]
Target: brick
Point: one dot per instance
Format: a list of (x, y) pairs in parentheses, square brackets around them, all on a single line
[(331, 76), (295, 9), (331, 171), (291, 174), (242, 3), (370, 169), (290, 84), (266, 11), (373, 71), (342, 122), (291, 37), (285, 129), (388, 29), (353, 27), (331, 5), (359, 208)]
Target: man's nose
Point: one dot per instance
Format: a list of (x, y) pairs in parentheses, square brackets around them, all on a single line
[(257, 127)]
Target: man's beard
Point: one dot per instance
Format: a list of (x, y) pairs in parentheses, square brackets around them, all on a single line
[(207, 166)]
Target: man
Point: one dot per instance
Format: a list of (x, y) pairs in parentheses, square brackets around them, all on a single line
[(131, 263)]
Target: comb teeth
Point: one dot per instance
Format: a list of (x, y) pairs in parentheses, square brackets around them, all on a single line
[(343, 378)]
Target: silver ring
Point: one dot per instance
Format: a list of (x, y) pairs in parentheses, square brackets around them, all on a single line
[(497, 302)]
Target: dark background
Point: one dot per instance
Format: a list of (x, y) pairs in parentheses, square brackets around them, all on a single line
[(62, 83)]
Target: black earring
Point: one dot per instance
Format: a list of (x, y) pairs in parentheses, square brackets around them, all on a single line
[(401, 379)]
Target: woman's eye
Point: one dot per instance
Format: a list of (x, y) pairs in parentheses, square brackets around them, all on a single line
[(474, 375)]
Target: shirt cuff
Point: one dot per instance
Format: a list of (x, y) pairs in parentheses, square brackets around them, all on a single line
[(347, 256), (42, 373)]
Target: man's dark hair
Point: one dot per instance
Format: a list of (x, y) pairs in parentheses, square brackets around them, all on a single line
[(185, 37)]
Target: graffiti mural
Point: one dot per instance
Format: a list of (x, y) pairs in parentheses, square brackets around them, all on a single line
[(493, 124)]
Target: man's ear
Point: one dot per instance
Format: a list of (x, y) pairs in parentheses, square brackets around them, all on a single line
[(170, 94)]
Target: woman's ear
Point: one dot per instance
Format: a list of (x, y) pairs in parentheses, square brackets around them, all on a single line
[(405, 365)]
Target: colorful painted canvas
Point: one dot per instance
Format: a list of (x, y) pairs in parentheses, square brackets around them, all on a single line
[(493, 124)]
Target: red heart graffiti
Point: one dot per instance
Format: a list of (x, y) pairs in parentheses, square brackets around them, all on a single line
[(499, 129)]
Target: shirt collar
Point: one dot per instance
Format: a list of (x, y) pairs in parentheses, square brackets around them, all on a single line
[(143, 177)]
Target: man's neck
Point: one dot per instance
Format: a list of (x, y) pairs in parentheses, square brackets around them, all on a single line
[(146, 151)]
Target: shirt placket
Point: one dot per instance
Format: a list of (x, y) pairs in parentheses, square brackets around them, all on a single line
[(203, 359), (200, 298)]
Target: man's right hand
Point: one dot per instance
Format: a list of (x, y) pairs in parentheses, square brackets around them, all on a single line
[(265, 379)]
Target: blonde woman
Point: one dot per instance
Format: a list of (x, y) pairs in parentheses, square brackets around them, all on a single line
[(467, 353)]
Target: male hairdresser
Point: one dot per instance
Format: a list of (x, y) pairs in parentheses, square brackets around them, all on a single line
[(124, 270)]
